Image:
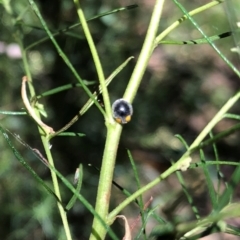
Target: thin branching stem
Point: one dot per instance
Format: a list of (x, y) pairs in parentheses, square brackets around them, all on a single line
[(218, 117), (114, 130), (145, 53), (45, 141), (205, 7), (97, 62)]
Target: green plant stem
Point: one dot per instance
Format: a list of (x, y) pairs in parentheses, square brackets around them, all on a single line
[(206, 37), (65, 30), (105, 180), (90, 102), (45, 142), (114, 130), (61, 177), (97, 62), (183, 18), (109, 156), (181, 161), (57, 189), (188, 194), (63, 55), (145, 54)]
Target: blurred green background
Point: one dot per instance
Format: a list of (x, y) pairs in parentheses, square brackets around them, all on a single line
[(182, 89)]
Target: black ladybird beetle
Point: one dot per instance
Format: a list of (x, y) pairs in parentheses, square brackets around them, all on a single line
[(122, 111)]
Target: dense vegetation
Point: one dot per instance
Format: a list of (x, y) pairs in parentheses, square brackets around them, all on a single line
[(179, 89)]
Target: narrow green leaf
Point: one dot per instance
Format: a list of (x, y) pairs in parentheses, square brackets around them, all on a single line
[(199, 164), (77, 24), (64, 88), (71, 134), (141, 204), (217, 137), (78, 188), (26, 165), (187, 194), (226, 196), (184, 18), (12, 113), (230, 64), (64, 56), (232, 8), (220, 175), (210, 186), (197, 41), (122, 189), (63, 179), (232, 116), (182, 140), (90, 102)]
